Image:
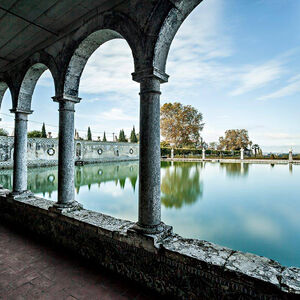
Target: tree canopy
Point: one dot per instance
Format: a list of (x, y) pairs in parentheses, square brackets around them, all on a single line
[(34, 134), (235, 139), (3, 132), (133, 137), (181, 124)]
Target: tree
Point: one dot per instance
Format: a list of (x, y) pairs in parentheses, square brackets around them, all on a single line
[(104, 137), (89, 134), (180, 124), (133, 137), (256, 149), (122, 137), (213, 146), (34, 134), (235, 139), (44, 135), (3, 132)]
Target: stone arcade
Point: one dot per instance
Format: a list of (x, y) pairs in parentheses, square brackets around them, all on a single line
[(61, 36)]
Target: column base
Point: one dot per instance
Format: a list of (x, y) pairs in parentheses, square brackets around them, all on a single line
[(20, 195), (65, 207), (155, 229)]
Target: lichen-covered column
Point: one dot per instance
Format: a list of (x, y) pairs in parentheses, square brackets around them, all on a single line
[(66, 154), (149, 218), (20, 153)]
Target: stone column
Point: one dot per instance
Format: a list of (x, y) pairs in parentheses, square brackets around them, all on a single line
[(172, 153), (203, 153), (242, 153), (290, 156), (149, 219), (66, 154), (20, 154)]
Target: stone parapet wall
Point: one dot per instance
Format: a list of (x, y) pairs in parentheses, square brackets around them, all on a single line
[(43, 152), (172, 265)]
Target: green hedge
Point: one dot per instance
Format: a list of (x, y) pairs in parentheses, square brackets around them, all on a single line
[(180, 152)]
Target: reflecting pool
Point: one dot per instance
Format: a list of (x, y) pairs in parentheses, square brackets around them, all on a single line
[(248, 207)]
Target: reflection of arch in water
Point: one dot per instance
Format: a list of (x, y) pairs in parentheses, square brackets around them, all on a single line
[(181, 185), (78, 150)]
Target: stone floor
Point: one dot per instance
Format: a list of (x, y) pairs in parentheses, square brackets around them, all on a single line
[(30, 269)]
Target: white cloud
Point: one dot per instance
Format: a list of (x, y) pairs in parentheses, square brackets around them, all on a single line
[(291, 88), (254, 77)]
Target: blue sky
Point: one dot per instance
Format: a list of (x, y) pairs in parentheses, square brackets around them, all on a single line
[(236, 61)]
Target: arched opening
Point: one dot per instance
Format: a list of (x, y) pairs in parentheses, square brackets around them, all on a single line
[(100, 73), (6, 135), (237, 65), (30, 143)]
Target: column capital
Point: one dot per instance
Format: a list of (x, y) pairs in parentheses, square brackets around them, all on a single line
[(66, 98), (22, 111), (150, 73)]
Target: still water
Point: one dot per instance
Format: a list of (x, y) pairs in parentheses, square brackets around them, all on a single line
[(248, 207)]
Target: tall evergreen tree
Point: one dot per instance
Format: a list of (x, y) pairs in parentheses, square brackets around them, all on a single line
[(104, 137), (44, 135), (122, 137), (89, 134), (133, 137)]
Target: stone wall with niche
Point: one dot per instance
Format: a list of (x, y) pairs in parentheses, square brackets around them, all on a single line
[(44, 151)]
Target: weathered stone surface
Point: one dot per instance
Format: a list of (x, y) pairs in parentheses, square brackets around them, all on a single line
[(290, 280), (201, 250), (168, 263), (255, 266)]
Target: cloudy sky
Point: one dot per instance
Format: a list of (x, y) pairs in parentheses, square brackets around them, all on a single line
[(236, 61)]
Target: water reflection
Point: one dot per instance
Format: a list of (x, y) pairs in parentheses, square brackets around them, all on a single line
[(44, 180), (258, 211), (235, 169), (181, 184)]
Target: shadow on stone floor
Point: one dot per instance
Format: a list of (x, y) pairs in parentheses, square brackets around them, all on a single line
[(33, 269)]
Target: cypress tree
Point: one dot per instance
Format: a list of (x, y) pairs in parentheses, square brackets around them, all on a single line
[(104, 137), (89, 134), (44, 135), (133, 137), (122, 137)]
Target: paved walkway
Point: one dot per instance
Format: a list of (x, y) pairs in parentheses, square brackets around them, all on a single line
[(31, 270)]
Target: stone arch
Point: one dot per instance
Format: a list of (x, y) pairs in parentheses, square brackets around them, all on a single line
[(28, 84), (3, 88), (168, 30), (78, 150), (81, 55), (97, 31)]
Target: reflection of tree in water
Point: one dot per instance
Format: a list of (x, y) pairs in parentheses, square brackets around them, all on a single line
[(235, 169), (133, 181), (181, 185), (122, 183)]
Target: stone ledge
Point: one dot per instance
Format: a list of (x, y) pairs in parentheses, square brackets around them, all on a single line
[(172, 265)]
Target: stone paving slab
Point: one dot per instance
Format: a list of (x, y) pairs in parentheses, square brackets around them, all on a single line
[(32, 270)]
